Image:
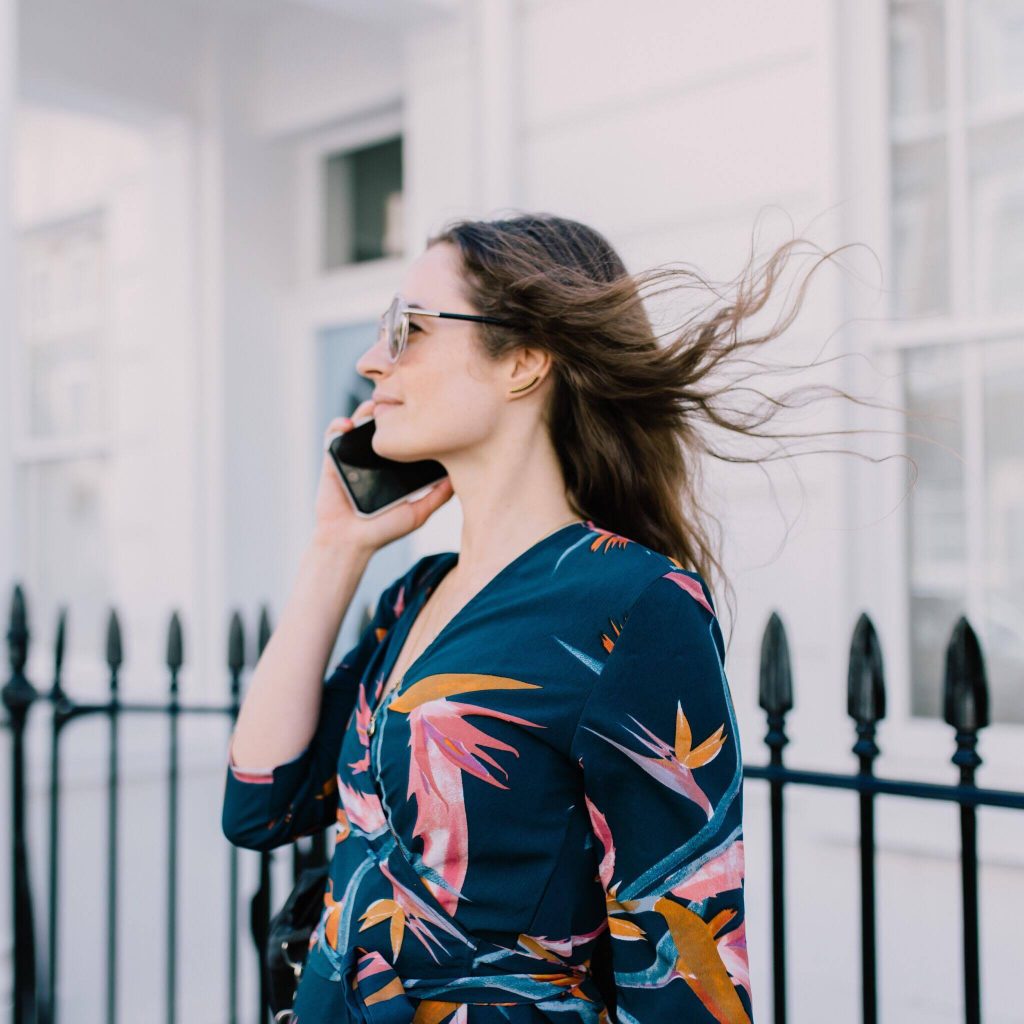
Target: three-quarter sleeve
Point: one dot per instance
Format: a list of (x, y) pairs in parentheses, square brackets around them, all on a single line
[(268, 807), (659, 748)]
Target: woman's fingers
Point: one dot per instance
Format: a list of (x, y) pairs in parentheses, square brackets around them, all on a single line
[(364, 408), (429, 503), (341, 424)]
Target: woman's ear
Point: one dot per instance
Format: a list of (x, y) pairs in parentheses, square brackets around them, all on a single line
[(530, 366)]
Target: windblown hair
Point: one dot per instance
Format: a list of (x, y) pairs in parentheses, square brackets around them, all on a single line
[(626, 411)]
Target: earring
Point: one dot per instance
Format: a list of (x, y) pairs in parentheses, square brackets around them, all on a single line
[(525, 386)]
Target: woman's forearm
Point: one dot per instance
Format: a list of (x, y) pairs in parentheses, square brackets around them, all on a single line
[(279, 713)]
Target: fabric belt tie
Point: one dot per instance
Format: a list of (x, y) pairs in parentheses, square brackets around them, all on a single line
[(375, 994)]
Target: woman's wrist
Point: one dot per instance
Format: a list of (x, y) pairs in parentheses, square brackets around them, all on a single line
[(330, 543), (330, 570)]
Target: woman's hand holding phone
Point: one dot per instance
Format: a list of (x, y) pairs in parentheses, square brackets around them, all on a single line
[(337, 521)]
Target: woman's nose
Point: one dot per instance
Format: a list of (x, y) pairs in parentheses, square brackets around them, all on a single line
[(374, 359)]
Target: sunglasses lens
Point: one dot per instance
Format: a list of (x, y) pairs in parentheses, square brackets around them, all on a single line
[(396, 325), (389, 329)]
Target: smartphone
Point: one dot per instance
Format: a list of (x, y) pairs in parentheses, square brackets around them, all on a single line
[(373, 483)]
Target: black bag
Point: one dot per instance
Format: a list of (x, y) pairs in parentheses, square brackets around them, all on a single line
[(288, 937)]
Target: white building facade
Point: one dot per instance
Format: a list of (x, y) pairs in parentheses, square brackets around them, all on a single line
[(211, 204)]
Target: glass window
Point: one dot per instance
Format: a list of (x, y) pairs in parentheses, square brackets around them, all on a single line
[(997, 216), (339, 389), (951, 573), (63, 493), (60, 304), (917, 57), (936, 517), (995, 57), (956, 133), (362, 204), (920, 235), (920, 157), (1002, 619)]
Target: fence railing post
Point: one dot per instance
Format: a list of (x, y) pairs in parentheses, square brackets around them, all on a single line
[(236, 662), (175, 659), (966, 709), (18, 696), (114, 660), (62, 713), (775, 687), (865, 704)]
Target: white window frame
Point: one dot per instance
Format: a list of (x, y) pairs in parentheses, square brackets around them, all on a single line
[(310, 153), (878, 552), (350, 294)]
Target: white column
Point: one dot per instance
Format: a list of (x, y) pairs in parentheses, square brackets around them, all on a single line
[(211, 620), (496, 31), (8, 315)]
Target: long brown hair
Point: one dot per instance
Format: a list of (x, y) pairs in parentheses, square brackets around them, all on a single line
[(626, 410)]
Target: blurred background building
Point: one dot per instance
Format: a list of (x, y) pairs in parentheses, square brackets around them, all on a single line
[(210, 203)]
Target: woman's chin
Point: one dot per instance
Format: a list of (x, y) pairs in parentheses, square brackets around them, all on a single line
[(388, 445)]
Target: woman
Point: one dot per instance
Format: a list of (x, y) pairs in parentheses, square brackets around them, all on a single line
[(531, 753)]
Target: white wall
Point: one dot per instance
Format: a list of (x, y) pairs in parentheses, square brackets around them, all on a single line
[(670, 128)]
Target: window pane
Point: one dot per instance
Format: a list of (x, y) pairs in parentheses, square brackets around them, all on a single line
[(997, 216), (936, 524), (339, 389), (916, 57), (1002, 629), (995, 55), (61, 326), (920, 230), (377, 191), (363, 204)]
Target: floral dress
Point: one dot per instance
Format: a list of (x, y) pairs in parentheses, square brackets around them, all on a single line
[(558, 772)]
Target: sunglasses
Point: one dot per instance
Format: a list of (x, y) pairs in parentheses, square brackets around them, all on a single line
[(395, 324)]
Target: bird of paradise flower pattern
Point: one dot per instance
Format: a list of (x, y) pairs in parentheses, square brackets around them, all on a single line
[(444, 746), (405, 908), (607, 539), (674, 767), (711, 960), (658, 816), (607, 642)]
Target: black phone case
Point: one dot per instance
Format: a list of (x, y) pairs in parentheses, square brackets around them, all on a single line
[(373, 482)]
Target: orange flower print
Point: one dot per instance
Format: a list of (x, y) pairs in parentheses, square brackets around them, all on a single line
[(606, 538), (699, 958), (332, 915), (674, 765), (406, 909), (608, 642)]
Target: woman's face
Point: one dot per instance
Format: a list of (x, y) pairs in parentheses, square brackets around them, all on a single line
[(451, 395)]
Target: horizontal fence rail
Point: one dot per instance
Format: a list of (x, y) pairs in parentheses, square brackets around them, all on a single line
[(965, 709), (35, 981)]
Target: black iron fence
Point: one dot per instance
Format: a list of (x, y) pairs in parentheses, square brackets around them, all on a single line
[(965, 709), (35, 979)]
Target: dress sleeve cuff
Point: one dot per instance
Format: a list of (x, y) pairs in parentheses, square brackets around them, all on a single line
[(264, 776)]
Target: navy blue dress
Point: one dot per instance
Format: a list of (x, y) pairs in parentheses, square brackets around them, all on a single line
[(560, 767)]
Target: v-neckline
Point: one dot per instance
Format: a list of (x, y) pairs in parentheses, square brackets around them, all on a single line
[(447, 562)]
